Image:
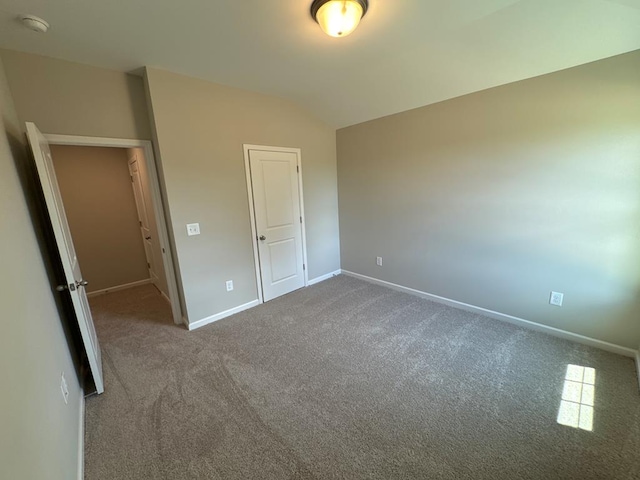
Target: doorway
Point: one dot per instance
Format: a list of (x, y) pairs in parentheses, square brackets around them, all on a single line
[(103, 190), (276, 207), (74, 285), (153, 261)]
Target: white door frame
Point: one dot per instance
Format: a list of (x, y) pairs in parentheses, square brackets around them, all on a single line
[(252, 213), (158, 206)]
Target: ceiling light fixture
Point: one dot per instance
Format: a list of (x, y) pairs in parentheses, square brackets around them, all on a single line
[(34, 23), (338, 18)]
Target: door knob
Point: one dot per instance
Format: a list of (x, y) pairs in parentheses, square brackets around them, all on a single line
[(147, 238), (71, 286), (262, 237)]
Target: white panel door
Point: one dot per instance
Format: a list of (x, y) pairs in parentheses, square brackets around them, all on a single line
[(276, 197), (143, 218), (74, 281)]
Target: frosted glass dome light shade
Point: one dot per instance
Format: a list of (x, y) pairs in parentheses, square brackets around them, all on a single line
[(338, 18)]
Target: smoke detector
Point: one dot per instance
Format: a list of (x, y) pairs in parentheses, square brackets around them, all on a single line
[(34, 23)]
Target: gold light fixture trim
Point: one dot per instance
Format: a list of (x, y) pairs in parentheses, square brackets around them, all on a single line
[(338, 18)]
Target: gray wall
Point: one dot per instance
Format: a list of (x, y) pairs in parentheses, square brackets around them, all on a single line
[(38, 431), (100, 206), (73, 99), (499, 197), (201, 128)]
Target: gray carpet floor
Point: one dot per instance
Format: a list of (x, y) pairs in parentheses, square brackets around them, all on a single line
[(347, 380)]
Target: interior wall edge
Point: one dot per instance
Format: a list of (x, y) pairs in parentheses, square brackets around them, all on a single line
[(164, 197)]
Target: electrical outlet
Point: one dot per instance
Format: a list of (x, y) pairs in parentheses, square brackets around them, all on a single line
[(64, 389), (379, 261), (229, 285), (556, 299), (193, 229)]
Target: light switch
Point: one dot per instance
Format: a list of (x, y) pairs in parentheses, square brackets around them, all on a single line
[(193, 229)]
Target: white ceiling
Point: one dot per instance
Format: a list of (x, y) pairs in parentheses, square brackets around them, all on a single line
[(405, 54)]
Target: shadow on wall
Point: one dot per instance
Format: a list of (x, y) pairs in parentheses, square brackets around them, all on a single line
[(570, 224), (138, 102)]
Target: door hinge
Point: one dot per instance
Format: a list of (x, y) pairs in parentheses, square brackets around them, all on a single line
[(304, 267), (131, 178), (300, 219), (148, 265), (163, 250), (140, 222), (298, 168)]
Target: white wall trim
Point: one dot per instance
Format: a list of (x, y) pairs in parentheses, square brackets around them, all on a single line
[(322, 278), (252, 216), (221, 315), (81, 437), (556, 332), (118, 287), (638, 366), (304, 218), (164, 295), (78, 140), (157, 194)]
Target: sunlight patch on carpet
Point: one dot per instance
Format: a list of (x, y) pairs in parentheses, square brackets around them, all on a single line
[(578, 397)]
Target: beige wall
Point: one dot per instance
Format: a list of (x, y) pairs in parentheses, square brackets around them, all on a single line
[(73, 99), (153, 225), (101, 210), (499, 197), (38, 431), (201, 128)]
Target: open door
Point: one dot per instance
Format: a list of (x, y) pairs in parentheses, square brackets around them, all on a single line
[(143, 218), (74, 281)]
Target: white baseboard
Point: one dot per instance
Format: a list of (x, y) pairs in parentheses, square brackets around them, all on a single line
[(322, 278), (81, 438), (119, 287), (556, 332), (221, 315), (164, 295), (638, 366)]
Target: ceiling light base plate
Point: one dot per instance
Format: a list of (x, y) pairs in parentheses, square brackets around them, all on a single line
[(34, 23), (315, 6)]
